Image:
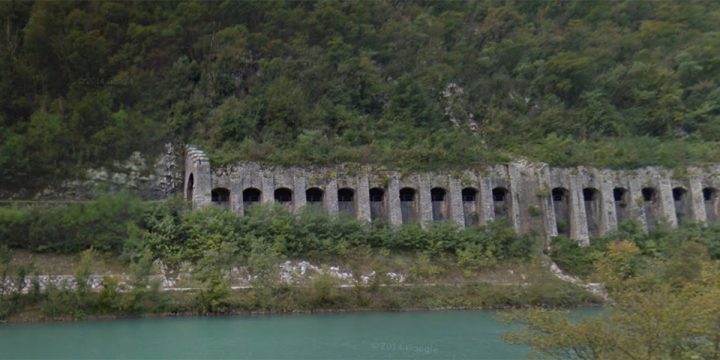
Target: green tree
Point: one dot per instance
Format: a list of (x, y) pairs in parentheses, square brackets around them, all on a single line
[(651, 317)]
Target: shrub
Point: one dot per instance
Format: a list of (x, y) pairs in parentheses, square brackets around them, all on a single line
[(572, 257), (14, 226)]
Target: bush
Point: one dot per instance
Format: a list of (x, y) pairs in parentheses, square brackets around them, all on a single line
[(662, 243), (185, 236), (168, 231), (14, 226), (104, 224), (572, 257)]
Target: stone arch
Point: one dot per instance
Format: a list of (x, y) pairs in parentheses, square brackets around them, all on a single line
[(501, 201), (710, 200), (220, 197), (284, 197), (593, 210), (440, 203), (561, 206), (682, 204), (471, 211), (621, 198), (408, 205), (190, 188), (650, 207), (377, 204), (251, 196), (314, 197), (346, 201)]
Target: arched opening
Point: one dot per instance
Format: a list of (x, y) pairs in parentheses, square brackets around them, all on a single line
[(251, 196), (650, 207), (682, 204), (190, 188), (220, 197), (471, 212), (500, 201), (621, 199), (438, 196), (710, 198), (283, 196), (408, 205), (346, 201), (561, 206), (591, 198), (377, 204), (314, 197)]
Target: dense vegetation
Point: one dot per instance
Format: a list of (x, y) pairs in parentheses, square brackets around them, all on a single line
[(122, 224), (410, 84), (206, 245), (663, 243), (140, 293), (665, 291)]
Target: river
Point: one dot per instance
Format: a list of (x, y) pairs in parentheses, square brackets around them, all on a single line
[(406, 335)]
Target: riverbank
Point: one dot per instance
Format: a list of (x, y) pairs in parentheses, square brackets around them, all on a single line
[(338, 300), (165, 259), (387, 282)]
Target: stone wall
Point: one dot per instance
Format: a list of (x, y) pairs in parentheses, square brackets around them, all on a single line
[(534, 198)]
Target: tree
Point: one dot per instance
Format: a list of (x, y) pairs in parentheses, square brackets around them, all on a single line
[(653, 316)]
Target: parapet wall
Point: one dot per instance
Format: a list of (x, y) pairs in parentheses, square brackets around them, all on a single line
[(579, 202)]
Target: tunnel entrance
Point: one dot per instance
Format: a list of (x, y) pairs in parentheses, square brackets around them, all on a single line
[(251, 196), (682, 204), (650, 207), (408, 205), (621, 198), (283, 196), (377, 204), (190, 188), (561, 206), (710, 199), (220, 197), (314, 197), (470, 206), (500, 202), (438, 196), (346, 201)]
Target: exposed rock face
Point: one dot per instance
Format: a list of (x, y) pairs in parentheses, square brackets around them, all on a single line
[(151, 180), (579, 202)]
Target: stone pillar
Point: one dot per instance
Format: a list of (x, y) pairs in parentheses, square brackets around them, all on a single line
[(236, 201), (487, 206), (363, 198), (268, 188), (697, 201), (608, 217), (637, 210), (456, 206), (514, 197), (299, 187), (202, 194), (578, 217), (393, 202), (331, 197), (666, 201), (546, 203), (424, 201)]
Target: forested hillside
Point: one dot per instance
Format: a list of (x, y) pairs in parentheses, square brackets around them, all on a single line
[(405, 84)]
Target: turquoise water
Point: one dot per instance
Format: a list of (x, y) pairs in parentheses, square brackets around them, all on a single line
[(411, 335)]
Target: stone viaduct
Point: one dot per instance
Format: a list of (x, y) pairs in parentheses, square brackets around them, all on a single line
[(577, 202)]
